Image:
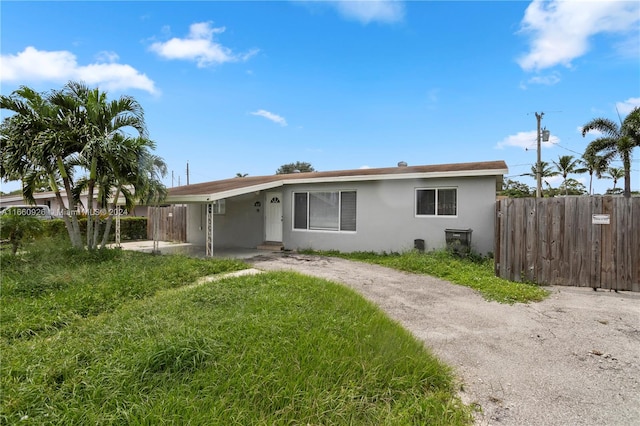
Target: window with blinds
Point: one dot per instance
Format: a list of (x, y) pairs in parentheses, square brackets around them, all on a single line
[(325, 210)]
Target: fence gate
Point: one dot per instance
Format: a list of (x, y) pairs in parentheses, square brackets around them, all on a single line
[(170, 223), (574, 241)]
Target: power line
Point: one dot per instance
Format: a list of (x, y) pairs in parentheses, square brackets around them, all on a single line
[(570, 150)]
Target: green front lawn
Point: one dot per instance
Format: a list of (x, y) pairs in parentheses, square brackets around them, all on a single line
[(109, 339)]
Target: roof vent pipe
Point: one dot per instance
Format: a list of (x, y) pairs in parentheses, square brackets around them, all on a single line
[(402, 164)]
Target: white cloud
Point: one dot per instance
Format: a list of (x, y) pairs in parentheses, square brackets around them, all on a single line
[(106, 56), (560, 29), (199, 46), (115, 77), (385, 11), (270, 116), (628, 48), (547, 80), (61, 66), (526, 141), (625, 107)]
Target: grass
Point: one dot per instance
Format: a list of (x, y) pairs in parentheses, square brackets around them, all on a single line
[(473, 271), (52, 285), (274, 348)]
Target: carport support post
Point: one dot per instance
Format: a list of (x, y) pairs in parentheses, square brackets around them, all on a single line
[(117, 226), (209, 231), (156, 226)]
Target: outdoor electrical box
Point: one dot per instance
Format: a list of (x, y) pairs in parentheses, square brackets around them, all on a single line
[(458, 240)]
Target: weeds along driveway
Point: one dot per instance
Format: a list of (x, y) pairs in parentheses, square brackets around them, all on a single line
[(573, 359)]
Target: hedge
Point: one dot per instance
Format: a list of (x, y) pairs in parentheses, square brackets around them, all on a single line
[(131, 228)]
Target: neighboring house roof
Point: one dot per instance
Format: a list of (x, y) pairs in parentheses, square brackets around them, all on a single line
[(18, 198), (217, 190), (44, 196)]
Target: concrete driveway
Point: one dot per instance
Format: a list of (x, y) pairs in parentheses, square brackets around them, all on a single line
[(573, 359)]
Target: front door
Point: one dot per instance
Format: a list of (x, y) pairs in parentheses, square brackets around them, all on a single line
[(274, 217)]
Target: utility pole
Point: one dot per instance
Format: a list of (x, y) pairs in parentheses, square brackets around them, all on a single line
[(542, 136), (187, 173), (538, 162), (172, 178)]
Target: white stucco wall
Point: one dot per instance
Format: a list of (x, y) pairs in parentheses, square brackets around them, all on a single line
[(386, 219)]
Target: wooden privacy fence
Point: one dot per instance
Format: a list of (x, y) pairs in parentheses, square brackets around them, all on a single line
[(170, 223), (573, 241)]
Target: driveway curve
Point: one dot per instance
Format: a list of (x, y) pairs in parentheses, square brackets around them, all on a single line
[(573, 359)]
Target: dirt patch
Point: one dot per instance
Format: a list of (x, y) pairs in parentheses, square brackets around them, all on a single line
[(571, 359)]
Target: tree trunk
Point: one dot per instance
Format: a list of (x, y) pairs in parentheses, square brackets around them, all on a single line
[(96, 230), (72, 208), (90, 215), (107, 230), (90, 189), (65, 211), (627, 176)]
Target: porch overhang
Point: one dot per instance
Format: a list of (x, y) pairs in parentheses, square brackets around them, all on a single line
[(209, 198)]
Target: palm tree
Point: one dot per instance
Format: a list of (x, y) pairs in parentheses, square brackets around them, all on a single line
[(593, 164), (617, 141), (546, 171), (100, 121), (34, 148), (55, 133), (565, 165), (614, 173)]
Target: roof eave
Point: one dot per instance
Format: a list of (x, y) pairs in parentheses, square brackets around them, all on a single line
[(207, 198)]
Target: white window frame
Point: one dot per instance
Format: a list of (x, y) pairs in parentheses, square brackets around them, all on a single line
[(436, 189), (219, 207), (308, 228)]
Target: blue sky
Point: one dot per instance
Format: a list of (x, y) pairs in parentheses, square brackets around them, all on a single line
[(244, 87)]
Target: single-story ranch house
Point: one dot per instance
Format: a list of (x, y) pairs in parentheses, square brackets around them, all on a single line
[(382, 209)]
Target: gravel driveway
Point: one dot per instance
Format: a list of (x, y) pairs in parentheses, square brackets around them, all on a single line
[(573, 359)]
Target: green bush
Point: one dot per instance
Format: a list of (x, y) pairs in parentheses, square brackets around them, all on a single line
[(131, 228), (17, 229)]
